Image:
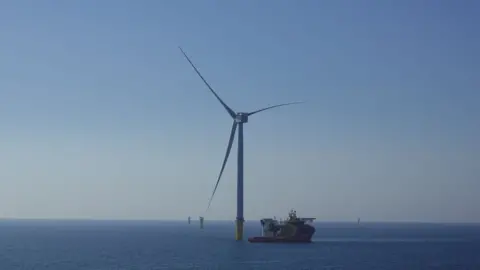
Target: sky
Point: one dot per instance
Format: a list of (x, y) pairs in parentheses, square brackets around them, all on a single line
[(103, 118)]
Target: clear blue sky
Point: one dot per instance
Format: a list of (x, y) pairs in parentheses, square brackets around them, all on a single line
[(102, 117)]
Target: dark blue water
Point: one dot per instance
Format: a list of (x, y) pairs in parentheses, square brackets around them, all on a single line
[(95, 245)]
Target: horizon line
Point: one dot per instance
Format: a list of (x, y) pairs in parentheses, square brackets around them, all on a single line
[(317, 221)]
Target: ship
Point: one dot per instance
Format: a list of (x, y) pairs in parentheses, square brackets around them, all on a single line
[(291, 230)]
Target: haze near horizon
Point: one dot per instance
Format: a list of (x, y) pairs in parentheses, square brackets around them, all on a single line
[(103, 118)]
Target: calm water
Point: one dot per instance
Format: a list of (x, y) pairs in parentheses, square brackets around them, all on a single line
[(95, 245)]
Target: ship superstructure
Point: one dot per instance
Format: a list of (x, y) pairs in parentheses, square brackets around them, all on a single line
[(292, 229)]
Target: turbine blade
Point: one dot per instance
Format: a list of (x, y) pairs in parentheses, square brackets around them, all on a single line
[(229, 110), (275, 106), (229, 147)]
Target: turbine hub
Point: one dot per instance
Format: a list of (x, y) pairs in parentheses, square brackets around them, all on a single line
[(241, 118)]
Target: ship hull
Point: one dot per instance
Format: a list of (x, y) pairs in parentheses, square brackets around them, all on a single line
[(262, 239)]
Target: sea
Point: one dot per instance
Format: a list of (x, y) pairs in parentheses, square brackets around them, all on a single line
[(154, 245)]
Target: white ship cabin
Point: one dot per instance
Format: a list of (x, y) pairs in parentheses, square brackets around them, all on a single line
[(269, 226), (292, 217)]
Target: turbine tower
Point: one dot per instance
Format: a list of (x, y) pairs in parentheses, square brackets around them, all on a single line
[(239, 118)]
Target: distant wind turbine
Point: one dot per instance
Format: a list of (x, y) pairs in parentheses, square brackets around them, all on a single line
[(239, 118)]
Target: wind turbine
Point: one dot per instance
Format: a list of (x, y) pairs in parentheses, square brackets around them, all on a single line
[(239, 118)]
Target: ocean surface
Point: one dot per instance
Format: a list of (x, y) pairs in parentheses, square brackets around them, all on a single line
[(152, 245)]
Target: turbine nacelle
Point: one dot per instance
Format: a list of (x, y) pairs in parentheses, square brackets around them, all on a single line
[(241, 118)]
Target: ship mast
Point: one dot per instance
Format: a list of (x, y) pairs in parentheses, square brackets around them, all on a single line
[(292, 215)]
